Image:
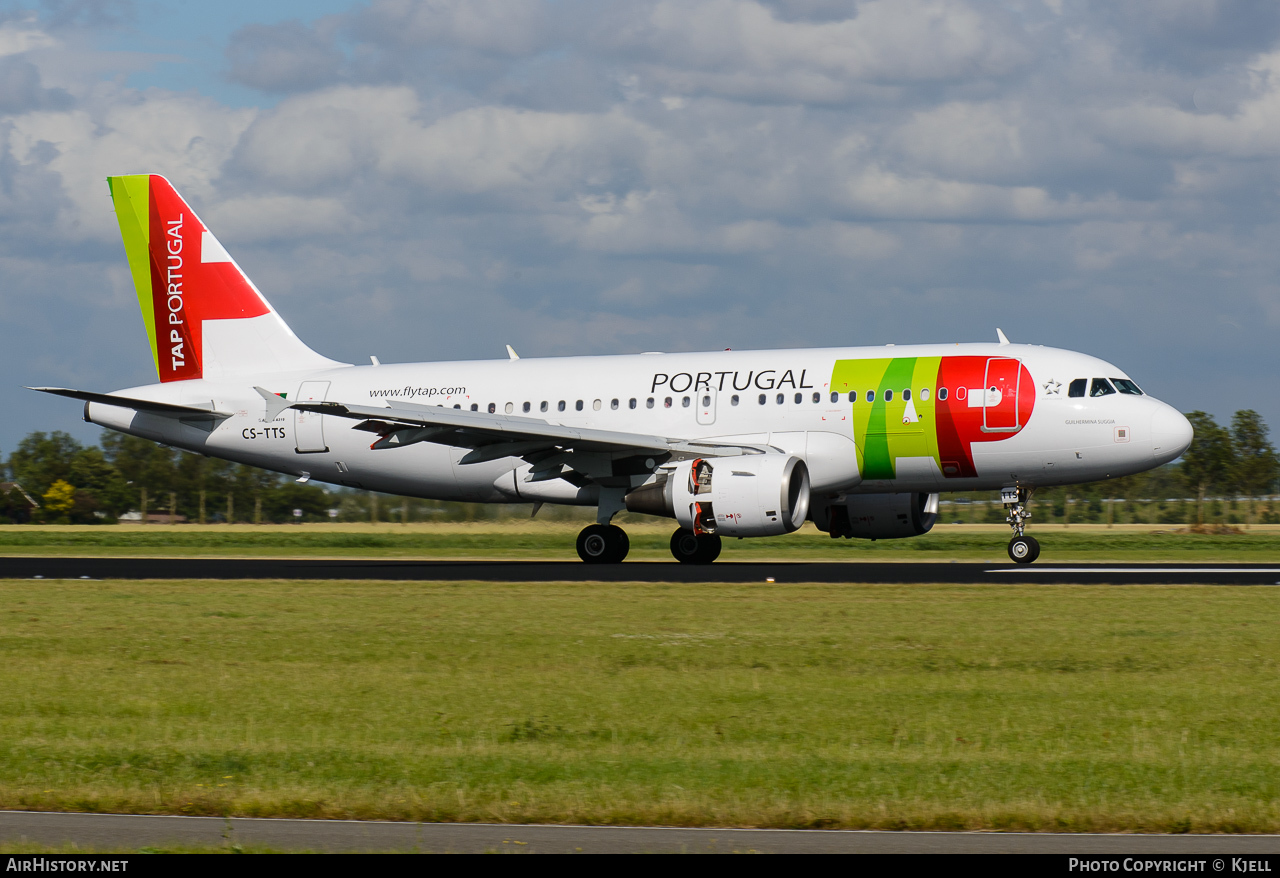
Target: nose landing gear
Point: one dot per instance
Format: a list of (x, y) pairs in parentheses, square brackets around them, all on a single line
[(1022, 548)]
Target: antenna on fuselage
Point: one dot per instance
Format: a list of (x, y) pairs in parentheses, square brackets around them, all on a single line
[(1000, 335), (511, 352)]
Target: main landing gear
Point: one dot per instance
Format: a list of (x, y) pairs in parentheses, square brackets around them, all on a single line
[(691, 548), (603, 544), (608, 544), (1022, 548)]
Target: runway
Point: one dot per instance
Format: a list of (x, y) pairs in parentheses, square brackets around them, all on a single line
[(103, 832), (961, 573)]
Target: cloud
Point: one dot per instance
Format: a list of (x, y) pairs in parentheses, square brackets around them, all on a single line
[(285, 57), (742, 49)]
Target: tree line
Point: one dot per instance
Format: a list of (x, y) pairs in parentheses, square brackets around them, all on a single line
[(1228, 475)]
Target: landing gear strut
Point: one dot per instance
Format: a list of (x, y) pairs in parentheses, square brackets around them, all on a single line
[(1022, 549), (691, 548), (603, 544)]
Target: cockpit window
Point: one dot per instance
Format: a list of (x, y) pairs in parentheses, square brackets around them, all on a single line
[(1101, 387), (1077, 387), (1124, 385)]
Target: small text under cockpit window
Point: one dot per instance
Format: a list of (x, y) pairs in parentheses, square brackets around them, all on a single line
[(1076, 388), (1101, 387), (1124, 385)]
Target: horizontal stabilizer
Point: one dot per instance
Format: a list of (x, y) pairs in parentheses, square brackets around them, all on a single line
[(142, 405)]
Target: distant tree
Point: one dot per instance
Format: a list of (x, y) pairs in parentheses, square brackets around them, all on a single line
[(146, 467), (1207, 464), (42, 459), (59, 500), (1256, 465)]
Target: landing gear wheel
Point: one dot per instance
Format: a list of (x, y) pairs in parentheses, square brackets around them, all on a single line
[(603, 544), (691, 548), (1024, 550)]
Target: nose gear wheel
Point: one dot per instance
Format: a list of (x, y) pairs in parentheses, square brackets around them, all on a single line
[(1022, 548)]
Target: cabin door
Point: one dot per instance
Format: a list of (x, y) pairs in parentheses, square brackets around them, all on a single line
[(308, 427), (1000, 395)]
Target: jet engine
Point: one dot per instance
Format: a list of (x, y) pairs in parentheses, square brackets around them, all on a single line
[(754, 495), (878, 516)]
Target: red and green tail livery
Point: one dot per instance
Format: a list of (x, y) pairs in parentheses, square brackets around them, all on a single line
[(183, 276)]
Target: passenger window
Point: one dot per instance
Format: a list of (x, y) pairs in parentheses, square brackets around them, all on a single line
[(1101, 387), (942, 393), (543, 407), (733, 400), (906, 395), (1077, 387), (706, 402), (835, 397), (577, 406), (853, 396), (685, 402), (962, 392), (799, 398), (762, 399), (871, 396), (493, 408), (817, 397), (455, 405), (1124, 385), (509, 408), (560, 406), (888, 396), (595, 406), (648, 403), (613, 404), (782, 397), (666, 403), (474, 407), (924, 394), (632, 402)]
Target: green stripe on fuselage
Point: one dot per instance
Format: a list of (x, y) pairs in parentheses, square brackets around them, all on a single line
[(879, 430)]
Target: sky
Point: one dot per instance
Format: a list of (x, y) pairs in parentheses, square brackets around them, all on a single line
[(436, 179)]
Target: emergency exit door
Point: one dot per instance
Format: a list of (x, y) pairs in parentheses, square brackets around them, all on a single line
[(706, 401), (308, 427)]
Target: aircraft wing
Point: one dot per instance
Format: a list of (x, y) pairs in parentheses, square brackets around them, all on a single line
[(166, 409), (492, 436)]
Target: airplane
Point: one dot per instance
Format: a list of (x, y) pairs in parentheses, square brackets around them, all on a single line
[(860, 440)]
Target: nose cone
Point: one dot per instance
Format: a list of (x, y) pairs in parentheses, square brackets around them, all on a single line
[(1171, 434)]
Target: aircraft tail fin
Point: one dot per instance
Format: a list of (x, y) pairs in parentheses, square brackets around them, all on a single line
[(204, 317)]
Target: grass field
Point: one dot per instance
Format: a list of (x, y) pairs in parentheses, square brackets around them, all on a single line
[(522, 539), (1077, 708)]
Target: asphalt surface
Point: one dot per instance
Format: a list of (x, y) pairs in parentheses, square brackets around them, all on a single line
[(561, 571), (101, 832)]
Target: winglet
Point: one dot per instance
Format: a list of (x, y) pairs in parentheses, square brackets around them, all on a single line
[(1000, 334), (511, 352), (275, 403)]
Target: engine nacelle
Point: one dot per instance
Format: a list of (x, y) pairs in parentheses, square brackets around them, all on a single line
[(878, 516), (755, 495)]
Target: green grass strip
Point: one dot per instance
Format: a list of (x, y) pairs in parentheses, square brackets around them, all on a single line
[(922, 707)]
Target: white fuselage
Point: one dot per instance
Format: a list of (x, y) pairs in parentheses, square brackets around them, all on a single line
[(1064, 440)]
